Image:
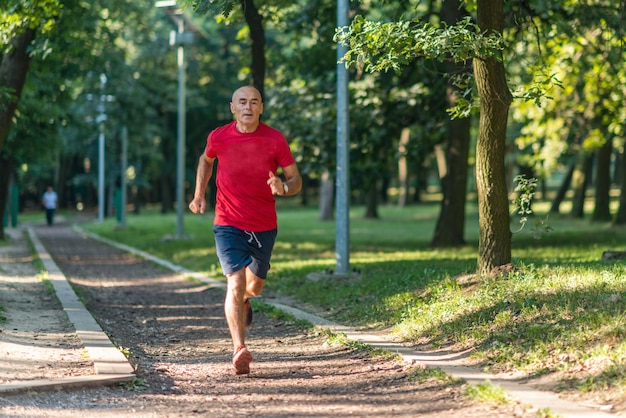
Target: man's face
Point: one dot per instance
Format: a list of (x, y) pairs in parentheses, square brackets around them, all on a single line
[(246, 105)]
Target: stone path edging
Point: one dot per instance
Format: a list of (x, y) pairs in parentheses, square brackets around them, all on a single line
[(111, 366)]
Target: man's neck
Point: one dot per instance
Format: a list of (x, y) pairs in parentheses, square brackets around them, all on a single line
[(246, 128)]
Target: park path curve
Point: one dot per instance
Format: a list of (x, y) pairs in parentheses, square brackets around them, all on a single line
[(175, 332)]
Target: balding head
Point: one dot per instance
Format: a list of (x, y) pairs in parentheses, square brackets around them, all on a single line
[(247, 91), (247, 106)]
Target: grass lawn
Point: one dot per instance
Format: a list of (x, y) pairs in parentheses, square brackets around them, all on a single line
[(562, 310)]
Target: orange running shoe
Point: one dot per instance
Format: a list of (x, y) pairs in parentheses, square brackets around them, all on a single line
[(241, 360)]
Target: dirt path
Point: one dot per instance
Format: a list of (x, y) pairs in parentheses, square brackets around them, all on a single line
[(179, 344)]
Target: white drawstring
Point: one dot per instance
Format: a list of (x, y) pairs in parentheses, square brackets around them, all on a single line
[(253, 236)]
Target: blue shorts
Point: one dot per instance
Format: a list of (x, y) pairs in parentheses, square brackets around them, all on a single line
[(237, 249)]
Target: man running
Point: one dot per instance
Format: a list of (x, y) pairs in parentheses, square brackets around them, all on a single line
[(249, 153)]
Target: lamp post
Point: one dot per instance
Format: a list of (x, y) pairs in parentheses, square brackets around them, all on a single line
[(124, 166), (100, 120), (179, 39), (342, 238)]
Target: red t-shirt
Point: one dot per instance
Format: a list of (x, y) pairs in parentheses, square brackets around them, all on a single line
[(244, 200)]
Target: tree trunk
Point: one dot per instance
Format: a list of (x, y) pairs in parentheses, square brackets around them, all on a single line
[(602, 209), (403, 169), (579, 184), (326, 197), (451, 223), (257, 44), (442, 162), (421, 179), (620, 218), (494, 248), (384, 188), (13, 70), (560, 195), (6, 168), (371, 201)]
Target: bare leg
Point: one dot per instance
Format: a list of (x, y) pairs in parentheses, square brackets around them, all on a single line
[(242, 285), (254, 284)]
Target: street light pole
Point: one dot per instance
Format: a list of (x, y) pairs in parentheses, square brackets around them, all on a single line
[(180, 148), (101, 118), (179, 38), (124, 183), (342, 239)]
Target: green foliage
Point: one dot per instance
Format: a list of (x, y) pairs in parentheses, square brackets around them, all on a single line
[(539, 88), (18, 15), (487, 392), (420, 374), (381, 104), (392, 45), (55, 123), (522, 202), (572, 72), (546, 413), (342, 339), (124, 350), (7, 96), (224, 7), (135, 385), (525, 190), (467, 103), (545, 44)]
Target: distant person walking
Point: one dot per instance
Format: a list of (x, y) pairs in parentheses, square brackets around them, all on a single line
[(249, 153), (49, 201)]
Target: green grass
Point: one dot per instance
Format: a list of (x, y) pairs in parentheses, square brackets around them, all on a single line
[(562, 310), (486, 392), (421, 374)]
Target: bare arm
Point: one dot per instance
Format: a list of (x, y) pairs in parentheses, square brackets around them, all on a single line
[(293, 181), (203, 175)]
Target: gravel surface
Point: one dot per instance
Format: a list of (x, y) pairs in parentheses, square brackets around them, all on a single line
[(178, 342)]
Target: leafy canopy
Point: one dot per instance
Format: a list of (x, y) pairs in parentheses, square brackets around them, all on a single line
[(392, 45), (18, 15)]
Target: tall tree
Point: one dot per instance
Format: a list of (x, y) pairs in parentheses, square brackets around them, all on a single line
[(20, 21), (254, 20), (494, 248), (257, 44), (13, 70), (602, 208), (391, 45), (620, 217), (450, 227)]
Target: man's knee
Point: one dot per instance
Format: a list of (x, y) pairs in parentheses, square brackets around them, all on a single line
[(237, 281)]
